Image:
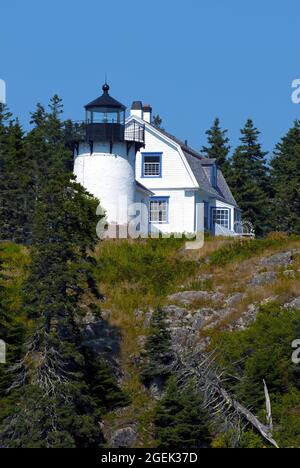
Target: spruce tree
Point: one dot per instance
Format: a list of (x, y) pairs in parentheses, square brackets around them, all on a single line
[(249, 179), (157, 121), (15, 181), (285, 181), (12, 332), (58, 405), (158, 354), (180, 420), (219, 147)]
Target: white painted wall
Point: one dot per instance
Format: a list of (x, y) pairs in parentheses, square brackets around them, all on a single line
[(109, 177), (175, 170), (142, 200), (181, 211)]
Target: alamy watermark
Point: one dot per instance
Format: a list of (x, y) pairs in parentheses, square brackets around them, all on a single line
[(2, 92), (131, 221), (296, 353), (296, 91), (2, 352), (136, 224)]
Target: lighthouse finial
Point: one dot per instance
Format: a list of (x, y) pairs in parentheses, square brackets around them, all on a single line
[(105, 86)]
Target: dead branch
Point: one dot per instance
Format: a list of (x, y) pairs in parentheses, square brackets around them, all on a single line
[(208, 379)]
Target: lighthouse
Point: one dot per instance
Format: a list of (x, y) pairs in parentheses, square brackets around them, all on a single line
[(105, 150)]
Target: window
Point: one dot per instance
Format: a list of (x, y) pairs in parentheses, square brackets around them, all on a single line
[(151, 165), (221, 217), (159, 210)]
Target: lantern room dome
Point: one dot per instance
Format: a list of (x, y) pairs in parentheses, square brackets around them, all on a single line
[(105, 101)]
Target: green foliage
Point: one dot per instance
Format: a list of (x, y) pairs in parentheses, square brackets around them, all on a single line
[(58, 405), (158, 355), (12, 320), (103, 385), (251, 440), (241, 250), (218, 147), (263, 352), (285, 180), (153, 264), (157, 121), (16, 181), (180, 420), (249, 179)]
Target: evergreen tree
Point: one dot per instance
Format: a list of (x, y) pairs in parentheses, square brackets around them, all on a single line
[(157, 121), (218, 147), (15, 181), (12, 333), (249, 180), (180, 420), (285, 181), (158, 354), (58, 407)]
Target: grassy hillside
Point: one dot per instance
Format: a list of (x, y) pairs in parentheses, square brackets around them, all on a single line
[(137, 277)]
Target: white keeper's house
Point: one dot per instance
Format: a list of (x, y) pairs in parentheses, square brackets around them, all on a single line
[(129, 162)]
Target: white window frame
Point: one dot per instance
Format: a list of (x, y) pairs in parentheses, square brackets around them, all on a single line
[(161, 213)]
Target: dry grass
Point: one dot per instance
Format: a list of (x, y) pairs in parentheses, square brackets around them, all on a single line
[(140, 276)]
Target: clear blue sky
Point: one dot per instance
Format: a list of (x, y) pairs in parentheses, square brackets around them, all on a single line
[(191, 59)]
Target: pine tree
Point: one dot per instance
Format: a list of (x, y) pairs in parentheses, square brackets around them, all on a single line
[(12, 333), (157, 121), (158, 354), (219, 147), (15, 181), (249, 180), (180, 420), (285, 181), (58, 406)]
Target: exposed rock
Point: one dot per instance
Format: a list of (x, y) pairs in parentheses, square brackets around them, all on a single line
[(89, 319), (157, 388), (261, 279), (280, 259), (289, 274), (141, 341), (106, 314), (139, 314), (103, 338), (175, 313), (268, 300), (148, 318), (124, 438), (188, 297), (246, 319), (295, 304), (235, 299)]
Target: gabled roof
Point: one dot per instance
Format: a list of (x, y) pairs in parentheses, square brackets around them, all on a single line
[(197, 163), (181, 143), (199, 173), (224, 189)]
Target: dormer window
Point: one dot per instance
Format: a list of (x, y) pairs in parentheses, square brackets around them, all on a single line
[(151, 165), (212, 174)]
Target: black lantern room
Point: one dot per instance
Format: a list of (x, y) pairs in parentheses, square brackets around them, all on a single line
[(105, 118)]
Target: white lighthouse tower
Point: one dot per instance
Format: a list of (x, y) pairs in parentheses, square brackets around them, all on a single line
[(104, 156)]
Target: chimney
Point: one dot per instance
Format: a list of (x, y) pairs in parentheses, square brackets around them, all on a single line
[(147, 113), (137, 109)]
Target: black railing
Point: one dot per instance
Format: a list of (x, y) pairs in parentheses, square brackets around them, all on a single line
[(135, 131), (87, 132)]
